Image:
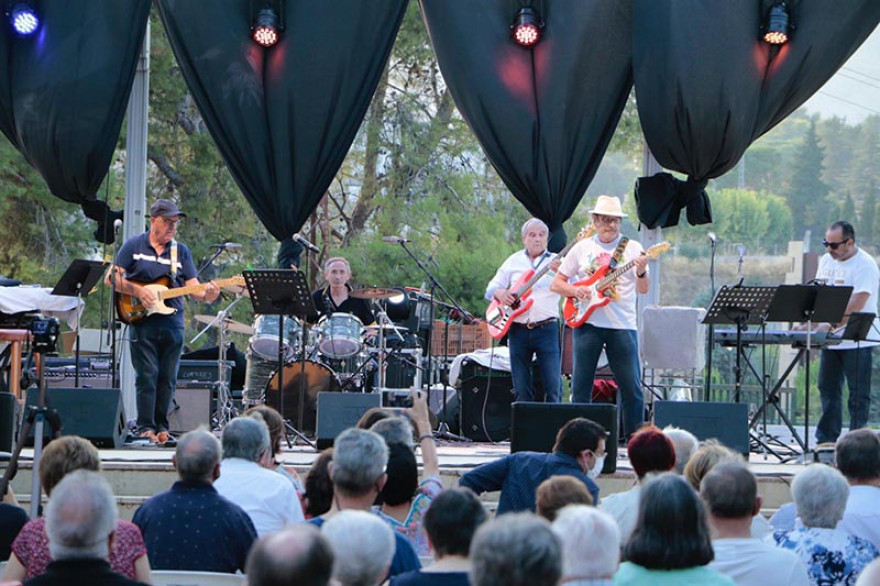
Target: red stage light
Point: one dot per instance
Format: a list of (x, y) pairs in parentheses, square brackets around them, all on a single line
[(526, 27)]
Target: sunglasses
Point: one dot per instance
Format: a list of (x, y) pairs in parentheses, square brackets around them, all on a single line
[(607, 220), (833, 245)]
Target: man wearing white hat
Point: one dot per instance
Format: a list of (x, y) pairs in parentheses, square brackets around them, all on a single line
[(611, 327)]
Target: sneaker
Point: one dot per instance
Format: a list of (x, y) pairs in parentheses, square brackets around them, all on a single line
[(148, 434), (163, 437)]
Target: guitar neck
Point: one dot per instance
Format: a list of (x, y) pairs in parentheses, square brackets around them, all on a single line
[(190, 289), (612, 276), (543, 270)]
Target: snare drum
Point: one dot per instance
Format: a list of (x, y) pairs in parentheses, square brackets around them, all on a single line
[(264, 342), (340, 335), (318, 379)]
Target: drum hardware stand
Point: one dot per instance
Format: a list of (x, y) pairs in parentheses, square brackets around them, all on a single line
[(78, 281), (284, 292), (225, 409)]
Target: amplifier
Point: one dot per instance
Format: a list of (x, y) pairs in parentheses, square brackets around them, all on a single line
[(202, 371), (64, 377)]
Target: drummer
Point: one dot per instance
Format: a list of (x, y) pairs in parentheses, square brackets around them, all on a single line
[(335, 298)]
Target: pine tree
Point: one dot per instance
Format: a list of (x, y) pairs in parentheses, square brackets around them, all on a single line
[(806, 193)]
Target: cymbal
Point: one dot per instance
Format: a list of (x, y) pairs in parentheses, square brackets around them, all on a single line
[(231, 324), (373, 293), (238, 290)]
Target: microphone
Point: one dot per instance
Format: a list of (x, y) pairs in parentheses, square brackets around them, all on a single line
[(117, 224), (741, 249), (394, 239), (308, 245), (712, 238), (227, 246)]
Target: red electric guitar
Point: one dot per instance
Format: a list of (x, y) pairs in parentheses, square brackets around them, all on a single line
[(576, 312), (499, 316)]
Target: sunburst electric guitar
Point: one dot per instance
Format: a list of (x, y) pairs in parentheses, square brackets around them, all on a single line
[(131, 310), (576, 312), (499, 317)]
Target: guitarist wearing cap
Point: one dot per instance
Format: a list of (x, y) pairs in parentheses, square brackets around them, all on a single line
[(535, 332), (156, 338), (612, 326)]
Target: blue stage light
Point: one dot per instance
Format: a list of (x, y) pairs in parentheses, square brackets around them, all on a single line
[(24, 19)]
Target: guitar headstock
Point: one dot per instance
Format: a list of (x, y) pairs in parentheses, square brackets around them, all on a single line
[(657, 249), (586, 232)]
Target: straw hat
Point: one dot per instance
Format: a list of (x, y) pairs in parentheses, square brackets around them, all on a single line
[(608, 205)]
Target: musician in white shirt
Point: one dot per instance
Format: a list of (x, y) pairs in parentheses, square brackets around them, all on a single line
[(536, 331), (611, 327)]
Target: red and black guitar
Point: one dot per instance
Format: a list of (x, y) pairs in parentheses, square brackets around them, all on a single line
[(576, 312), (500, 316)]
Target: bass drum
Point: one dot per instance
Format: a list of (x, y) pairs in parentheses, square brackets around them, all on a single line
[(316, 378)]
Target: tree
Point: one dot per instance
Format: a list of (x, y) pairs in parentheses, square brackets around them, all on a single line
[(806, 193)]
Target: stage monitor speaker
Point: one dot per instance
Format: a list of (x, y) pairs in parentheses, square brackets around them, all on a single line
[(95, 414), (9, 411), (485, 397), (535, 426), (339, 411), (726, 422), (192, 407)]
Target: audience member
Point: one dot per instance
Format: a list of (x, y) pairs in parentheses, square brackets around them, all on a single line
[(12, 519), (450, 522), (214, 534), (362, 546), (404, 498), (319, 487), (358, 474), (870, 576), (558, 492), (298, 554), (267, 497), (395, 430), (275, 423), (670, 544), (831, 556), (516, 550), (686, 444), (579, 451), (80, 522), (649, 450), (590, 551), (30, 550), (371, 416), (857, 455), (730, 492)]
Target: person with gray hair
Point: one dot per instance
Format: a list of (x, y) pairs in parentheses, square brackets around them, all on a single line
[(730, 492), (518, 549), (216, 534), (685, 444), (298, 555), (80, 522), (358, 474), (534, 332), (831, 556), (395, 430), (857, 455), (590, 550), (269, 499), (363, 546)]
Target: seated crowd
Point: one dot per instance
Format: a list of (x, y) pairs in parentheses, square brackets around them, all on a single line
[(363, 517)]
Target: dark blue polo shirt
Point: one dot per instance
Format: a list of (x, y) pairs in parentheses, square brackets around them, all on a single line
[(138, 259)]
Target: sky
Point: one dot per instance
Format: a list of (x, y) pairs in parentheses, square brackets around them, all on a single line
[(854, 91)]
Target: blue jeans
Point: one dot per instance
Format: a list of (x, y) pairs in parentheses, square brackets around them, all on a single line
[(543, 342), (622, 349), (155, 355), (834, 365)]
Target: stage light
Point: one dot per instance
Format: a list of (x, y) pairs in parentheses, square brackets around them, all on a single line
[(24, 19), (265, 29), (526, 27), (778, 24)]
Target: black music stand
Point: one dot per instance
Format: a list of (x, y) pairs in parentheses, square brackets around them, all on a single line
[(283, 292), (77, 281)]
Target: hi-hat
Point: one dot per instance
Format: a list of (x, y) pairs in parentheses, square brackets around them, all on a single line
[(373, 293), (230, 324)]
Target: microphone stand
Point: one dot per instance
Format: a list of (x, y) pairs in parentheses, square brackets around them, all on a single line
[(208, 262), (443, 428), (710, 342), (111, 314)]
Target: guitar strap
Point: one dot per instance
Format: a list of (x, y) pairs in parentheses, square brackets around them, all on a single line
[(173, 259), (618, 253)]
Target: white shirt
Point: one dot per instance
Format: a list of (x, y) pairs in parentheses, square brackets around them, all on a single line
[(861, 273), (623, 507), (750, 562), (267, 497), (862, 515), (546, 303), (590, 254)]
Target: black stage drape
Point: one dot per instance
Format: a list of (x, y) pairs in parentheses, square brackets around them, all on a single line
[(544, 115), (283, 117), (707, 86), (64, 91)]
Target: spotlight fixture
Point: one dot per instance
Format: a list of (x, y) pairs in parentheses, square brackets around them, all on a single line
[(24, 19), (526, 27), (778, 24), (265, 29)]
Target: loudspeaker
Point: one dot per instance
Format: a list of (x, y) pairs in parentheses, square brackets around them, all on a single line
[(8, 421), (726, 422), (339, 411), (485, 397), (192, 406), (95, 414), (535, 426)]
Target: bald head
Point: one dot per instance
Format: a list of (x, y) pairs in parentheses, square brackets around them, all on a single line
[(297, 555), (197, 456)]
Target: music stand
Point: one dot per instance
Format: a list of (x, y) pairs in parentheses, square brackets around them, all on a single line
[(77, 281), (283, 292), (858, 326)]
